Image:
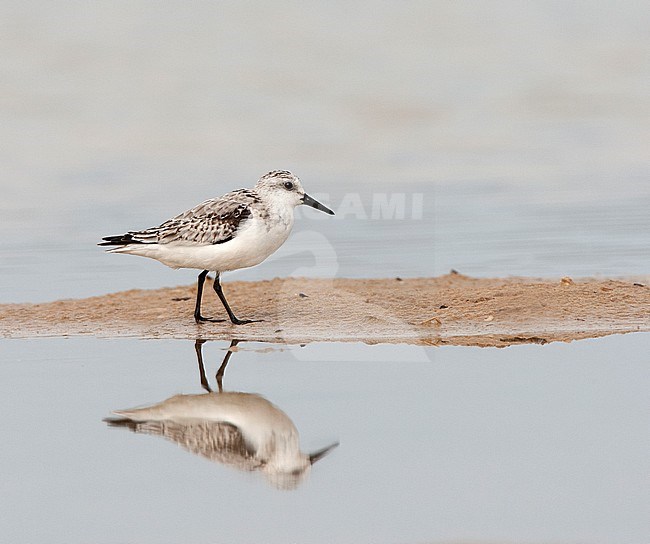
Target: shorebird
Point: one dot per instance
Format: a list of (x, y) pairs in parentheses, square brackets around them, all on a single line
[(238, 230), (241, 430)]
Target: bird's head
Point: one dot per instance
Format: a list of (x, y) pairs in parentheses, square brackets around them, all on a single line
[(283, 187), (289, 472)]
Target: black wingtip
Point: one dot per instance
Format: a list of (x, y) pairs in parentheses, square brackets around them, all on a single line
[(120, 240), (120, 422)]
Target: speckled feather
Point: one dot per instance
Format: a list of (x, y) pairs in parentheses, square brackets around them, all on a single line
[(217, 441), (214, 221)]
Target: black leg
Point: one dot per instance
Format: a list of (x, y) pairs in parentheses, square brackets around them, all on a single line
[(233, 317), (198, 347), (222, 368), (199, 292)]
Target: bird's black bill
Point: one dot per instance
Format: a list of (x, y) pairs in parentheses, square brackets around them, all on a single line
[(317, 455), (309, 201)]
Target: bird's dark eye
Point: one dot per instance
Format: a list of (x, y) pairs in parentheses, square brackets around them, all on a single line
[(288, 185)]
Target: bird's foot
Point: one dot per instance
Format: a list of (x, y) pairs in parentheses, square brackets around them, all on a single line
[(201, 319), (237, 321)]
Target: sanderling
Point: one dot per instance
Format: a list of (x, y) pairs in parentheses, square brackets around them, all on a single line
[(238, 230), (241, 430)]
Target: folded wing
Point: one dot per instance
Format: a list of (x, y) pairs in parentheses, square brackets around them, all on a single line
[(214, 221)]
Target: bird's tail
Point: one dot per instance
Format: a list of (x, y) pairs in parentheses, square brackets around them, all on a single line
[(119, 240)]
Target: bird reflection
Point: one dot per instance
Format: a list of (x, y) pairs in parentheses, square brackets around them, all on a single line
[(241, 430)]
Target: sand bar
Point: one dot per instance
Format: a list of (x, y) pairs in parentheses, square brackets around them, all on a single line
[(448, 310)]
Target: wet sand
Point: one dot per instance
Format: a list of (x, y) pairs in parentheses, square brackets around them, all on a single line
[(448, 310)]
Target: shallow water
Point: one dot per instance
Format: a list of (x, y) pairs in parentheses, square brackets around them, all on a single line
[(479, 231), (525, 444)]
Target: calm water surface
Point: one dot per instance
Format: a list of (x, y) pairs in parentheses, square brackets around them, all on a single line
[(525, 444), (491, 231)]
